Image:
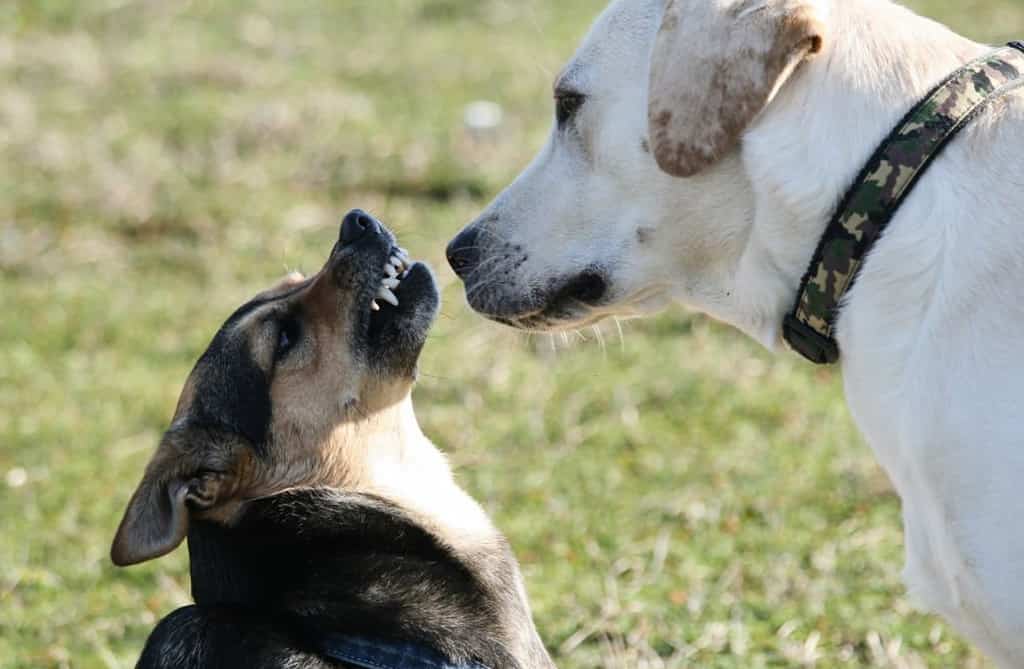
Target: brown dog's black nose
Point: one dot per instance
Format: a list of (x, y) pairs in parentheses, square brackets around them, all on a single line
[(356, 224), (464, 252)]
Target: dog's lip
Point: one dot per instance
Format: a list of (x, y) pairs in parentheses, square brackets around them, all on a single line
[(573, 300), (389, 300)]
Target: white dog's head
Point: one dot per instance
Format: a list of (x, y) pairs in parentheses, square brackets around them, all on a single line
[(600, 224)]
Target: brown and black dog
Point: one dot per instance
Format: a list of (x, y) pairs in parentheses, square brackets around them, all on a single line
[(317, 513)]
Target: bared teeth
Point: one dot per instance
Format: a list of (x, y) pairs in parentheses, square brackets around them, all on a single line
[(385, 294), (396, 269)]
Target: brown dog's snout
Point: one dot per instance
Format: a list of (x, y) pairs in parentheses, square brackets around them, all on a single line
[(356, 225)]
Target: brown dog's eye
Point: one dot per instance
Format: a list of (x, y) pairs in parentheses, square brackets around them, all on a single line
[(288, 334), (566, 106)]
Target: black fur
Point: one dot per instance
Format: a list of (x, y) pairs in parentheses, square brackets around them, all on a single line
[(308, 563), (210, 636), (232, 391)]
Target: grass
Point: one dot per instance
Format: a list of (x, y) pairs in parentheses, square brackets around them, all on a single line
[(677, 496)]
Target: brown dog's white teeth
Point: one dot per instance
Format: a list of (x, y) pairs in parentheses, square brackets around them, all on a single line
[(374, 306), (385, 294), (390, 270), (390, 283)]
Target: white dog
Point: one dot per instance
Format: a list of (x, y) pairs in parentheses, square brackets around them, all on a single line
[(777, 105)]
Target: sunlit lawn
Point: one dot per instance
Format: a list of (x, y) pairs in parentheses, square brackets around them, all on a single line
[(677, 496)]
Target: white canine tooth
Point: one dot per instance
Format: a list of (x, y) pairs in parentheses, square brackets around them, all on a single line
[(396, 262), (404, 255), (385, 294), (391, 271), (374, 305), (390, 283)]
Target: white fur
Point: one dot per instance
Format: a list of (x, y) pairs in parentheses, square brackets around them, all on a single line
[(931, 334)]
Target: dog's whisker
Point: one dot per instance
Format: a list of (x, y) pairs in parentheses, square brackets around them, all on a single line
[(600, 340), (495, 267), (496, 277), (622, 338), (488, 231)]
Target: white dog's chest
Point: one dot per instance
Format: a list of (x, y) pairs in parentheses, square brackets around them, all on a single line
[(937, 570), (935, 402)]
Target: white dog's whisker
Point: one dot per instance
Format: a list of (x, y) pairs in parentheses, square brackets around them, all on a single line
[(600, 339)]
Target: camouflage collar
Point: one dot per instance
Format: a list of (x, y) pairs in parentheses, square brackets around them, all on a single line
[(886, 180)]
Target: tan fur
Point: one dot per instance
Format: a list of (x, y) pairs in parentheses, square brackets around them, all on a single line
[(334, 424), (715, 66)]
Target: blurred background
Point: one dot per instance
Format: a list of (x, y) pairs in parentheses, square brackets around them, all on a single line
[(677, 496)]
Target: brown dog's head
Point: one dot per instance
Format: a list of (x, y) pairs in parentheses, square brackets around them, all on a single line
[(264, 408)]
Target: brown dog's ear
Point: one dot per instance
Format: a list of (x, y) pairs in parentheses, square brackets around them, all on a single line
[(157, 517), (154, 524), (716, 64)]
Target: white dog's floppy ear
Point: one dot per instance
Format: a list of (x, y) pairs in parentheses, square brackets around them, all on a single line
[(716, 64)]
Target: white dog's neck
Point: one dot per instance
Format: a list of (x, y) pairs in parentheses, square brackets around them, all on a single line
[(800, 159)]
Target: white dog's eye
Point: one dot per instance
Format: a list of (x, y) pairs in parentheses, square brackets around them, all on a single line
[(566, 106)]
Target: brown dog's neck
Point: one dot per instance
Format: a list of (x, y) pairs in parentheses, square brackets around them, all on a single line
[(386, 455), (336, 562)]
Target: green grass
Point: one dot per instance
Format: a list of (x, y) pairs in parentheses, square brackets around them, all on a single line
[(678, 497)]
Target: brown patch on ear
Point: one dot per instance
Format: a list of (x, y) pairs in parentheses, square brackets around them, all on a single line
[(715, 66)]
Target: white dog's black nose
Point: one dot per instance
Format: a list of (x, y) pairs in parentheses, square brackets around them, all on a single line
[(356, 224), (464, 252)]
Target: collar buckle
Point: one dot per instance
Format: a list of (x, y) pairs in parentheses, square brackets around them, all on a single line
[(809, 343)]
